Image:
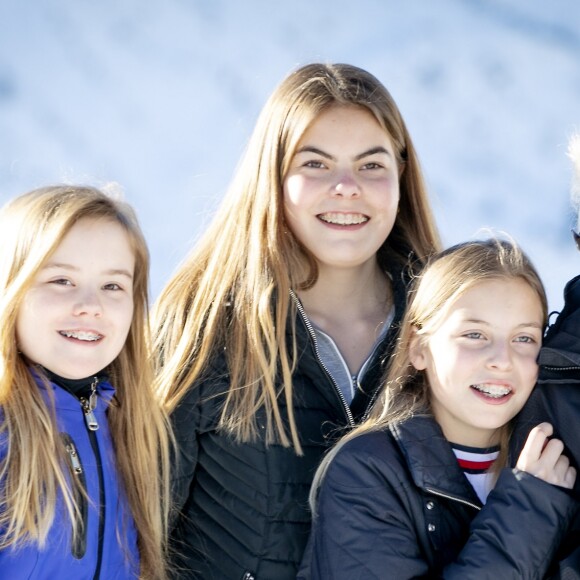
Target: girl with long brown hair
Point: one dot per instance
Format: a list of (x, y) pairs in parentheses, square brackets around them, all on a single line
[(273, 333)]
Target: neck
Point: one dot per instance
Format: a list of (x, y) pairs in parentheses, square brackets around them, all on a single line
[(352, 293)]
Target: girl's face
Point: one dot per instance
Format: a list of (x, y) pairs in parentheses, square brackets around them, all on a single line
[(481, 361), (341, 192), (75, 317)]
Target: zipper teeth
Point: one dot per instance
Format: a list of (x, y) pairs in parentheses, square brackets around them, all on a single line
[(308, 324), (560, 368), (453, 498), (371, 403)]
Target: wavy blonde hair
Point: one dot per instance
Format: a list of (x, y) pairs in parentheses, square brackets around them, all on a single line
[(248, 257), (447, 277), (31, 228)]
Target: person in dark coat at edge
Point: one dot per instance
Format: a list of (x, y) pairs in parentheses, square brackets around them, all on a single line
[(272, 336), (556, 398)]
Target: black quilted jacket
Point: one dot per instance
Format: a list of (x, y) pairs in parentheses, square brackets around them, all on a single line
[(243, 508), (556, 399)]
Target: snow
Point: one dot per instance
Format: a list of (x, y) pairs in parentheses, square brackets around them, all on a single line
[(162, 96)]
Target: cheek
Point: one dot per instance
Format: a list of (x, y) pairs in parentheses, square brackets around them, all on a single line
[(127, 317), (294, 189), (531, 371)]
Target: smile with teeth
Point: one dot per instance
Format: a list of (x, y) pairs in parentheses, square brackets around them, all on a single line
[(81, 335), (493, 391), (343, 219)]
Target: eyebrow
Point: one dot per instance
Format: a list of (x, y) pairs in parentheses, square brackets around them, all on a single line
[(367, 153), (111, 272), (522, 325)]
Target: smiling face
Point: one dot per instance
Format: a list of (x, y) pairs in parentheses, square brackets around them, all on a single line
[(75, 317), (481, 360), (341, 192)]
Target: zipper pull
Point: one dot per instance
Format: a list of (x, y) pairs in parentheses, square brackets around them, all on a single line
[(90, 405), (74, 458)]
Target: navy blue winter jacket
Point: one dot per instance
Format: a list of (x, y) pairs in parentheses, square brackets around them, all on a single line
[(98, 553), (395, 504)]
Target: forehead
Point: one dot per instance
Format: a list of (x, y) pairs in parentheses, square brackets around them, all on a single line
[(338, 119), (101, 239), (503, 298)]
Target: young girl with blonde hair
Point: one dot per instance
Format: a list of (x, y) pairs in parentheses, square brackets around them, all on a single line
[(422, 488), (272, 334), (83, 445)]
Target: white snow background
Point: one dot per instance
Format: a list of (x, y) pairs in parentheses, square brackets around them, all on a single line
[(161, 96)]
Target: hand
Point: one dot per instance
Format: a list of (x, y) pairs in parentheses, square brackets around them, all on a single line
[(542, 457)]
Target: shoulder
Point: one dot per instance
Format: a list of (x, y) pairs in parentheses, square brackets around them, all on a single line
[(367, 460)]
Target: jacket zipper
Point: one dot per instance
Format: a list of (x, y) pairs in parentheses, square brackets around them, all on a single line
[(79, 541), (310, 329), (560, 368), (89, 405), (453, 498)]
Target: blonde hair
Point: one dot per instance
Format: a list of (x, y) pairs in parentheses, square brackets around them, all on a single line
[(249, 260), (447, 277), (31, 228)]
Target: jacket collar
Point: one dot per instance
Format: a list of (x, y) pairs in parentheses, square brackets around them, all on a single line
[(400, 277), (431, 460), (104, 388)]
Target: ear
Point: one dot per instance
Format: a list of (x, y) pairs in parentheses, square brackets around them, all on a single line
[(417, 354)]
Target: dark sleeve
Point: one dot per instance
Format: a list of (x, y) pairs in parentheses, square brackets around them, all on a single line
[(361, 529), (185, 421), (558, 404), (197, 413), (518, 532)]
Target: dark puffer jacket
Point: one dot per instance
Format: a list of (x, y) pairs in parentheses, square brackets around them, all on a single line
[(556, 399), (243, 508), (395, 504)]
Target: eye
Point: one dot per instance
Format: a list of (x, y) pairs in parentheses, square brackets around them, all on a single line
[(473, 335), (526, 339), (372, 165), (113, 286), (61, 282), (314, 164)]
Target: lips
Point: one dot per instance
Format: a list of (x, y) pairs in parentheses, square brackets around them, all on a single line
[(492, 390), (343, 219), (83, 335)]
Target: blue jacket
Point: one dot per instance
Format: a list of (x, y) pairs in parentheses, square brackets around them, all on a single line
[(97, 553)]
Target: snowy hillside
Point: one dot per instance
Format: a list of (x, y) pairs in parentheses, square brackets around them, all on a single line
[(160, 96)]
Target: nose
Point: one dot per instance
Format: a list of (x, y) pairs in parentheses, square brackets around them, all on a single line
[(88, 303), (346, 185), (500, 356)]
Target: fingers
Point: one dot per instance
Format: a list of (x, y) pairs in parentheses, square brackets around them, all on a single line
[(570, 478), (543, 458), (535, 443)]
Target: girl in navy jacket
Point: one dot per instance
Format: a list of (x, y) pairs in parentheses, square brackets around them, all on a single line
[(83, 446), (421, 489)]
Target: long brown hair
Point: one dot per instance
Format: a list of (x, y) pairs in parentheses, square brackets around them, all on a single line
[(31, 228), (449, 275), (247, 257)]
